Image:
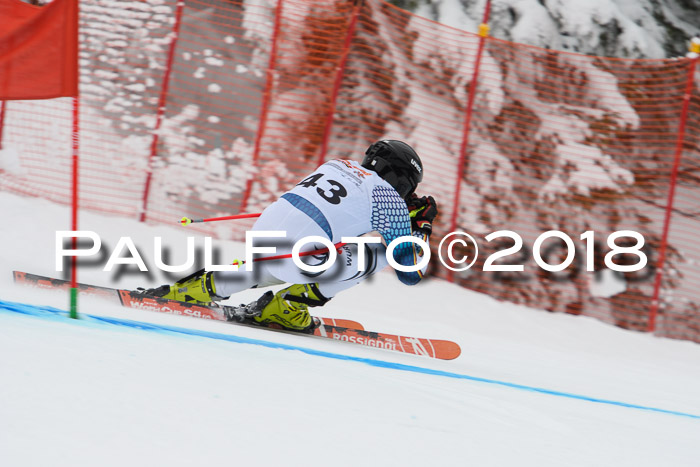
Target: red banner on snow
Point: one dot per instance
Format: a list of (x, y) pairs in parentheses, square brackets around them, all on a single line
[(38, 50)]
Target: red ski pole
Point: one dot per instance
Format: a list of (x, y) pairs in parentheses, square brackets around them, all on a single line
[(336, 246), (188, 221)]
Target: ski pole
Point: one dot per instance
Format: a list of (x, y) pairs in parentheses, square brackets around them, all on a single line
[(336, 246), (188, 221)]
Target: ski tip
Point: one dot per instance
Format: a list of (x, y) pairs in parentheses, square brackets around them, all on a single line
[(185, 221), (447, 350)]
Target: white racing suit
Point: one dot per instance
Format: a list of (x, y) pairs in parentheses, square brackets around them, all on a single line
[(340, 199)]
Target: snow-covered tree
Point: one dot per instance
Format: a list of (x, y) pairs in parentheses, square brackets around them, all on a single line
[(614, 28)]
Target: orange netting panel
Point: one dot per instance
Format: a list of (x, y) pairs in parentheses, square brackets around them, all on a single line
[(576, 144), (209, 107), (680, 292)]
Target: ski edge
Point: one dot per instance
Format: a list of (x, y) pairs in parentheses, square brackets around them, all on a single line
[(130, 299), (329, 328)]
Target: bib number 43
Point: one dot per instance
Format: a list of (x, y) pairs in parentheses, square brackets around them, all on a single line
[(333, 192)]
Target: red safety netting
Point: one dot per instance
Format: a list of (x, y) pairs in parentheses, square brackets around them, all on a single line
[(207, 108)]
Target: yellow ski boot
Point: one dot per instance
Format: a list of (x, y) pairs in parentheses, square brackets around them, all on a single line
[(197, 288), (289, 307)]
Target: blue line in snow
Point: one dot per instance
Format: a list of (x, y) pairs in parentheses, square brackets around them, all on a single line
[(49, 312)]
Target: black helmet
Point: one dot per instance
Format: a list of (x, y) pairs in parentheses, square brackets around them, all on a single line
[(397, 163)]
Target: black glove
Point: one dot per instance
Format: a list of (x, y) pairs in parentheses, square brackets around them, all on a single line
[(423, 211)]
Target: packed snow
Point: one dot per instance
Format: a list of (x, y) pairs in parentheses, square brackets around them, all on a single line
[(530, 388)]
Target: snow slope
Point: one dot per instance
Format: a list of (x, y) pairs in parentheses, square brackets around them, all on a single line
[(531, 388)]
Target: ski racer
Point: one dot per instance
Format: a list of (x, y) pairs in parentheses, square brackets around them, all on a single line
[(342, 198)]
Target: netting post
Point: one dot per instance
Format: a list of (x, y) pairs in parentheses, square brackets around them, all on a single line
[(693, 62), (161, 108), (483, 34), (2, 119), (74, 208), (340, 71), (262, 120)]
